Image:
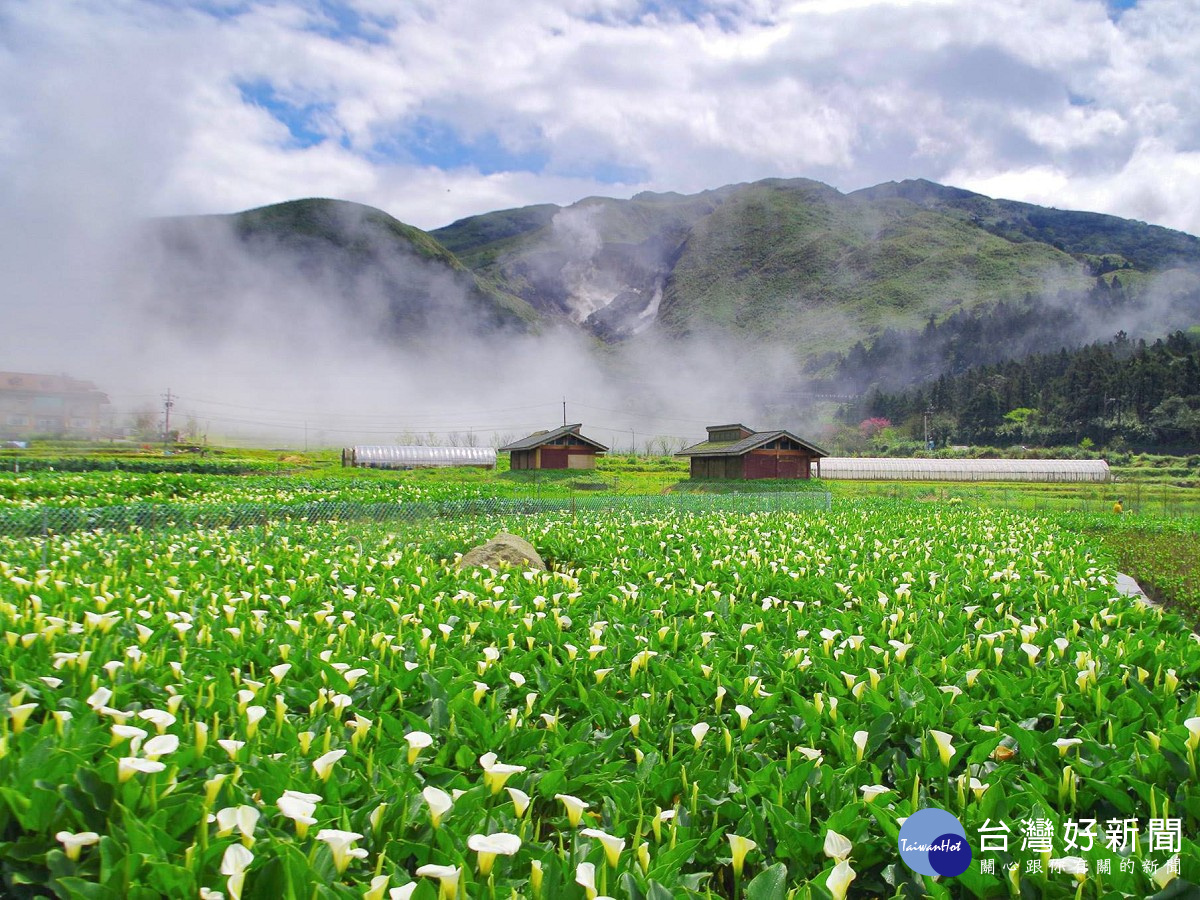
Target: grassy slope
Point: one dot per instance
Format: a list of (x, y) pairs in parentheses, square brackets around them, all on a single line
[(797, 261), (805, 262)]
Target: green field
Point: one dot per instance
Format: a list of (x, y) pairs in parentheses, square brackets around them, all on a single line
[(679, 681)]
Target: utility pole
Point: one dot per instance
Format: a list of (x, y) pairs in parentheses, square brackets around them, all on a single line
[(564, 410), (168, 402)]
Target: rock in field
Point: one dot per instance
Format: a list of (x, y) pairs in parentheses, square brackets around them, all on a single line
[(503, 548)]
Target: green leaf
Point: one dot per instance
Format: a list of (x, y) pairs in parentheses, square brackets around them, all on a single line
[(769, 884), (79, 889)]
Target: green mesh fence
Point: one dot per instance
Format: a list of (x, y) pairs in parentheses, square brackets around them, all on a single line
[(50, 520)]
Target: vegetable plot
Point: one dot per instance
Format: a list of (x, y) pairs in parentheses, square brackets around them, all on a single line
[(724, 705)]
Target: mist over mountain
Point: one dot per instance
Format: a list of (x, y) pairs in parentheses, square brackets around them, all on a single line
[(796, 261), (746, 300), (381, 277)]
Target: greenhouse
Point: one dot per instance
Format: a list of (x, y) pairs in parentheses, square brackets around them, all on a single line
[(411, 457), (889, 469)]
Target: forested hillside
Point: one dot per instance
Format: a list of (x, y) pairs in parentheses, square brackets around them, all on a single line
[(1120, 393)]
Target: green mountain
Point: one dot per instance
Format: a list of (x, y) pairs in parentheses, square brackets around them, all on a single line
[(375, 273), (800, 263), (891, 285)]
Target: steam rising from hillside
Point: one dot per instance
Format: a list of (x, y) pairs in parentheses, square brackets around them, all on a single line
[(263, 342)]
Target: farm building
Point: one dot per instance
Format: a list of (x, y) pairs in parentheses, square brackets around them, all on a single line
[(407, 457), (734, 451), (888, 469), (562, 448)]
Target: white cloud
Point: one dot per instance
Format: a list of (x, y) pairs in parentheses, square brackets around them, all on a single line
[(138, 104)]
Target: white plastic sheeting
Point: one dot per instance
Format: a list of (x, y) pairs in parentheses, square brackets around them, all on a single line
[(890, 469), (411, 457)]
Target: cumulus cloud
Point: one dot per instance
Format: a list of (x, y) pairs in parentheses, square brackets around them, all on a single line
[(436, 110)]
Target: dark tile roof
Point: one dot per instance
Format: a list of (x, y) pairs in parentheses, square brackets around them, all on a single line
[(745, 445), (539, 438)]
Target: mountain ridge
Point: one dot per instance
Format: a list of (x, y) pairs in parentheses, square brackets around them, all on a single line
[(794, 264)]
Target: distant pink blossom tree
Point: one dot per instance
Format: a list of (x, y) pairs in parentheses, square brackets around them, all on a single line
[(869, 428)]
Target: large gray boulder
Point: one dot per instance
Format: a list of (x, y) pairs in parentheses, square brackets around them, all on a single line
[(503, 548)]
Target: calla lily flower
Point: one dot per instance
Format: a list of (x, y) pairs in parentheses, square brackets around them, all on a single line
[(837, 846), (404, 892), (1193, 727), (447, 876), (839, 880), (699, 730), (944, 745), (20, 715), (128, 766), (439, 803), (74, 843), (299, 807), (574, 807), (810, 753), (536, 874), (130, 733), (160, 745), (323, 765), (231, 746), (489, 846), (234, 864), (496, 773), (860, 744), (743, 713), (585, 876), (159, 718), (871, 791), (520, 800), (612, 845), (341, 844), (417, 741), (1166, 873), (242, 818), (739, 846)]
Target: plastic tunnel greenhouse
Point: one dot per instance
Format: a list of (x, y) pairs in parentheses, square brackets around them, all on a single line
[(411, 457), (889, 469)]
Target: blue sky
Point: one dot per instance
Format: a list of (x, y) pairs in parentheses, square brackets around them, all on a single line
[(433, 111)]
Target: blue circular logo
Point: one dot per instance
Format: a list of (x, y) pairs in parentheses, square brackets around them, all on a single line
[(933, 842)]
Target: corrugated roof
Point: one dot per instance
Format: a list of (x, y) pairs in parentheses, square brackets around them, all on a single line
[(539, 438), (901, 469), (389, 456), (745, 445)]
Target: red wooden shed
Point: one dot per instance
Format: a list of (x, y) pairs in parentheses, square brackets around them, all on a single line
[(562, 448), (734, 451)]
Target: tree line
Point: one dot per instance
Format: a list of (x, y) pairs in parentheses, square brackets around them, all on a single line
[(1121, 394)]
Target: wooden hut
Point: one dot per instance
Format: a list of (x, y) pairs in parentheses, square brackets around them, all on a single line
[(734, 451), (562, 448)]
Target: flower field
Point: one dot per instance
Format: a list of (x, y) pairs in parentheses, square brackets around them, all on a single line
[(100, 489), (686, 705)]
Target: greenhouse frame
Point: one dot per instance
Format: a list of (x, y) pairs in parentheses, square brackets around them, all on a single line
[(413, 457), (893, 469)]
